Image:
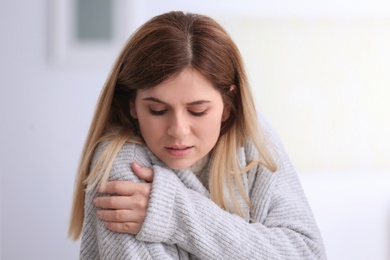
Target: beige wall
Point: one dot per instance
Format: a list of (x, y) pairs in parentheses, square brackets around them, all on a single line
[(324, 83)]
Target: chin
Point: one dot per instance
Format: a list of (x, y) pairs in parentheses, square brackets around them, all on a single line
[(178, 166)]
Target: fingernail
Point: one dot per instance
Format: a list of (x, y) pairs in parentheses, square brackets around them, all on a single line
[(95, 202), (99, 213), (136, 165)]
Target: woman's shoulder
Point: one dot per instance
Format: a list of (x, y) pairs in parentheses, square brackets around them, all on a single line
[(274, 147), (134, 152), (129, 152), (127, 147), (284, 169)]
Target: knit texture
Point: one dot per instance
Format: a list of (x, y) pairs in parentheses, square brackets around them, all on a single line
[(182, 222)]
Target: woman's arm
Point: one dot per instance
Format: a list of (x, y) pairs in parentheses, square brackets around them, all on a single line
[(98, 242), (125, 213), (282, 229), (282, 225)]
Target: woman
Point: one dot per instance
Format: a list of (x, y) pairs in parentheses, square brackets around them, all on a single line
[(206, 181)]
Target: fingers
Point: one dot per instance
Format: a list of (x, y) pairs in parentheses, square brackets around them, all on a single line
[(124, 188), (135, 197), (127, 227), (126, 212), (139, 201), (114, 202), (121, 216), (143, 172), (125, 219)]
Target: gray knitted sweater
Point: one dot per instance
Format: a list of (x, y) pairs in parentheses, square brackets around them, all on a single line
[(183, 223)]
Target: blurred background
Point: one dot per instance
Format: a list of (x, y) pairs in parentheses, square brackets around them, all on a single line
[(319, 71)]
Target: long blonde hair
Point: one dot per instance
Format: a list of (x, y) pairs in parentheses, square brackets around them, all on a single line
[(162, 47)]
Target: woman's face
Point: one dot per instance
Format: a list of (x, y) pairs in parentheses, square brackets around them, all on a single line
[(180, 119)]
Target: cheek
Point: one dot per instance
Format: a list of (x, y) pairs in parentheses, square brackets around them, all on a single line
[(152, 128), (147, 125), (211, 128), (144, 122)]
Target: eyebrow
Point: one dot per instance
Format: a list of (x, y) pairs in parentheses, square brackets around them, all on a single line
[(197, 102)]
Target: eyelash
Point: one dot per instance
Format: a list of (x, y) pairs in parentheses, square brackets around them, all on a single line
[(162, 112), (157, 112), (197, 113)]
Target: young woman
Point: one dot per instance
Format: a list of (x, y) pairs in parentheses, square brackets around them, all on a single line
[(175, 165)]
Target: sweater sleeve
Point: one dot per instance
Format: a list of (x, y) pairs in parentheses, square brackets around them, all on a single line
[(281, 226), (100, 243)]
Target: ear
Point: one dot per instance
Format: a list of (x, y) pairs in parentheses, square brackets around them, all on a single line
[(225, 113), (133, 111), (228, 108)]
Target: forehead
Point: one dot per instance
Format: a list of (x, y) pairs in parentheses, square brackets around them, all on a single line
[(188, 84)]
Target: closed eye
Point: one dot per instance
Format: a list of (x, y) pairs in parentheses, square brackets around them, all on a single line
[(195, 113), (158, 112)]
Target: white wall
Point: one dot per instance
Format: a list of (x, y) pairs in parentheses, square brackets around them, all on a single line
[(45, 111)]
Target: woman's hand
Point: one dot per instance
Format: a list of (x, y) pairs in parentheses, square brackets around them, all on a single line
[(126, 213)]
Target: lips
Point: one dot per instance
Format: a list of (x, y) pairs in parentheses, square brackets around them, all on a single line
[(177, 147), (179, 150)]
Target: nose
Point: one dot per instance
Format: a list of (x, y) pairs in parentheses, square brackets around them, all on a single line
[(179, 126)]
